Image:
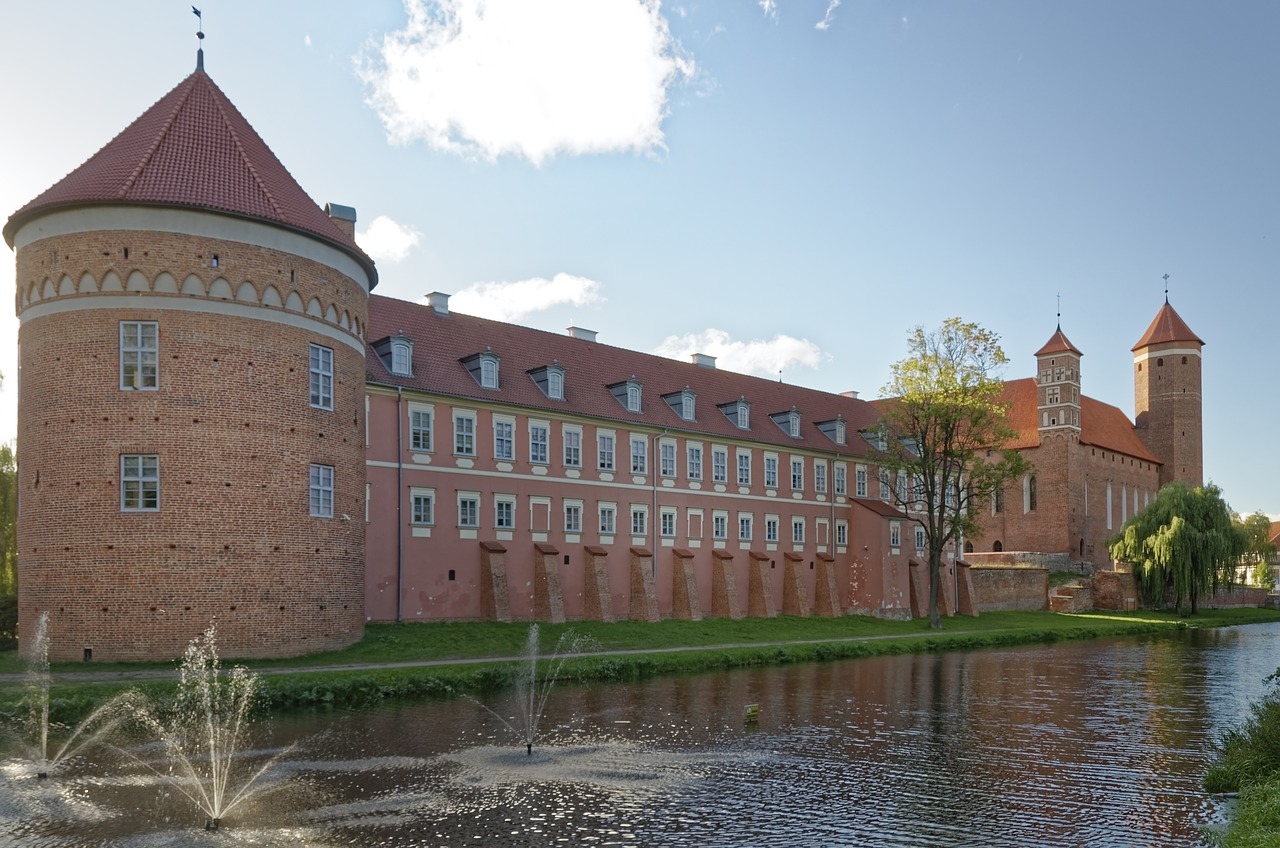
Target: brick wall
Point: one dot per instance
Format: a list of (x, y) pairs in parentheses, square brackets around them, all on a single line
[(1001, 588)]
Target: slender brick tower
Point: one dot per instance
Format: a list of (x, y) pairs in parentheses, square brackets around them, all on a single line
[(191, 396), (1167, 399)]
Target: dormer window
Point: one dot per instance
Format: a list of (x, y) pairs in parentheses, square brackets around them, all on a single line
[(738, 412), (877, 439), (834, 429), (483, 368), (628, 394), (683, 403), (789, 422), (550, 380), (396, 354)]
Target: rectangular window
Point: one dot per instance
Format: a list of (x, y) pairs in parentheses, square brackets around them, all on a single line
[(667, 458), (639, 455), (902, 487), (895, 534), (539, 441), (604, 452), (797, 531), (820, 477), (419, 429), (719, 525), (504, 440), (639, 520), (464, 435), (771, 528), (321, 367), (321, 485), (842, 533), (668, 518), (468, 510), (695, 463), (797, 475), (744, 469), (573, 448), (423, 507), (860, 481), (608, 519), (744, 528), (719, 465), (771, 472), (140, 483), (573, 516), (140, 356), (884, 484), (504, 513), (842, 479), (919, 539)]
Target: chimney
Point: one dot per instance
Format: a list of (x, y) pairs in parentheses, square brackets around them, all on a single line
[(850, 394), (439, 301), (343, 217), (704, 360), (579, 333)]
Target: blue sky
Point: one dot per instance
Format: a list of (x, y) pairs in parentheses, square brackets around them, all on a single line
[(791, 186)]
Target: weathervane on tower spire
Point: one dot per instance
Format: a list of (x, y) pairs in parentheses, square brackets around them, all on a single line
[(1166, 288), (199, 38)]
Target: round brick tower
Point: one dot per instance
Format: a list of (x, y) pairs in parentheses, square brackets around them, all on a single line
[(191, 397), (1167, 400)]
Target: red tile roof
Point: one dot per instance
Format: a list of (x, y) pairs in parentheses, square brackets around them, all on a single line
[(1058, 343), (440, 342), (1168, 326), (193, 149), (1101, 424)]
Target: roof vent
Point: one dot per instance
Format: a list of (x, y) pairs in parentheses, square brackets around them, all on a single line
[(439, 301), (850, 394), (579, 333), (342, 216), (704, 360)]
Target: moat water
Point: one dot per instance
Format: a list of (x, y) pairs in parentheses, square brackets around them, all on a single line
[(1080, 744)]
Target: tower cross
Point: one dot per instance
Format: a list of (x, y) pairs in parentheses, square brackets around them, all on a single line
[(1166, 288)]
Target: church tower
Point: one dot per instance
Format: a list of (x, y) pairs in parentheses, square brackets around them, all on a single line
[(1058, 386), (1167, 398), (191, 396)]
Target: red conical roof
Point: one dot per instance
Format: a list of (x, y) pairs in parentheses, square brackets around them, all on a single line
[(1168, 326), (194, 149), (1058, 343)]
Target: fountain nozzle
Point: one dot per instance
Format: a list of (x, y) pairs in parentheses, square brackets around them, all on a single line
[(42, 775), (528, 749), (212, 824)]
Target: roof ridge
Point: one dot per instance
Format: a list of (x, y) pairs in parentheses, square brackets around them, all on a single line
[(244, 156), (155, 143)]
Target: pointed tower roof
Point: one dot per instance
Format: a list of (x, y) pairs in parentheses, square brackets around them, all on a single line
[(1058, 343), (1168, 326), (193, 149)]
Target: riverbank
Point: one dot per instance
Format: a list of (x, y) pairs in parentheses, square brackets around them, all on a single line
[(1249, 765), (441, 660)]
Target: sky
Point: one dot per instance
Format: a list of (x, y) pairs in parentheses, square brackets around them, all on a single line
[(789, 186)]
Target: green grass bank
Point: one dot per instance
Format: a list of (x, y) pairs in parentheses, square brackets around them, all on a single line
[(1249, 763), (417, 661)]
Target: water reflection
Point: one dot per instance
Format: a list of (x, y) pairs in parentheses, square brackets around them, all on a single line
[(1097, 744)]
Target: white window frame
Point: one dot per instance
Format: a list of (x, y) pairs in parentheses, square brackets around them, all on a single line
[(572, 439), (745, 528), (504, 438), (639, 454), (693, 460), (667, 458), (841, 478), (920, 539), (320, 487), (797, 530), (468, 510), (860, 481), (771, 525), (606, 451), (639, 520), (464, 433), (607, 515), (421, 433), (320, 368), (771, 471), (744, 467), (539, 443), (140, 356), (140, 482), (422, 507), (634, 398), (719, 464), (797, 474), (842, 532), (819, 476), (895, 534), (489, 372), (719, 525), (886, 484), (687, 407), (555, 384), (504, 512), (667, 522), (573, 516), (401, 358)]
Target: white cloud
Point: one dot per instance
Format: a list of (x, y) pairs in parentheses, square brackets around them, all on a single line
[(490, 78), (306, 40), (762, 357), (387, 241), (829, 17), (770, 8), (506, 301)]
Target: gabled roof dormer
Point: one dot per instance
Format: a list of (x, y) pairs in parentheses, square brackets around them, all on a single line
[(738, 412), (550, 379), (788, 421), (483, 368), (834, 429), (876, 438), (396, 354), (629, 393), (683, 403)]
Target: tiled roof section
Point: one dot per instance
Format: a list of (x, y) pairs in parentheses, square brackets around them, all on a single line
[(1168, 326), (192, 148), (1274, 536), (1101, 424), (1058, 343), (442, 341)]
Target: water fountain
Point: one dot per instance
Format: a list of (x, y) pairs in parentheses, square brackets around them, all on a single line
[(201, 733)]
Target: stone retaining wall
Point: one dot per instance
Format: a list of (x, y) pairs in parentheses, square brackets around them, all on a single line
[(1000, 588)]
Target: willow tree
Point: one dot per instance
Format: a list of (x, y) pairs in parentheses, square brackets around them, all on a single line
[(1182, 545), (943, 428), (1259, 550)]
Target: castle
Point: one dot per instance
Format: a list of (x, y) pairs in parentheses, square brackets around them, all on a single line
[(219, 419)]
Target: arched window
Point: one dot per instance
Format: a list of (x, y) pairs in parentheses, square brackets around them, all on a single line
[(996, 546)]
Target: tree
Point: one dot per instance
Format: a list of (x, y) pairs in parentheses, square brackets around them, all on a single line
[(1259, 549), (1182, 545), (944, 426)]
